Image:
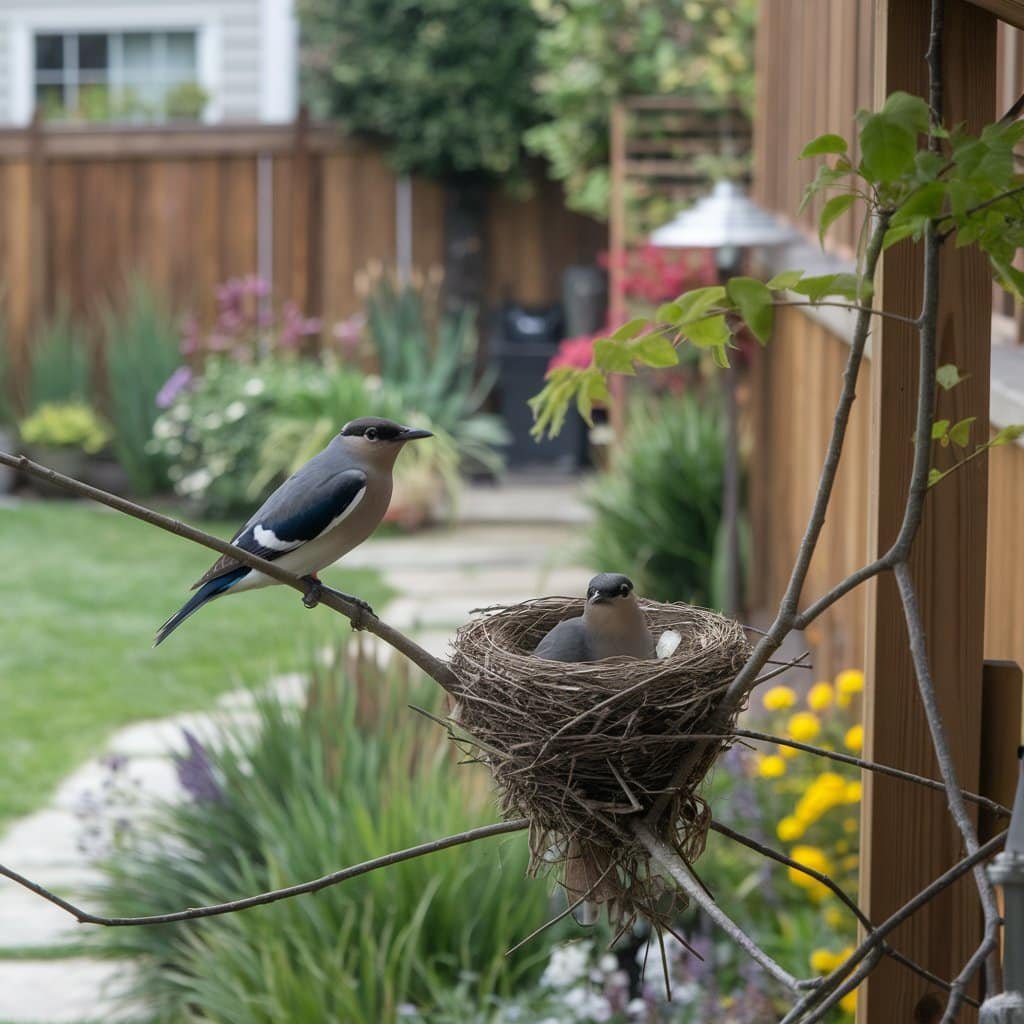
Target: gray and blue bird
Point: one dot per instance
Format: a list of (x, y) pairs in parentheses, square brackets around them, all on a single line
[(320, 513)]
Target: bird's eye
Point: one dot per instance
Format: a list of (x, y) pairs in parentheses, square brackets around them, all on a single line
[(624, 589), (370, 434)]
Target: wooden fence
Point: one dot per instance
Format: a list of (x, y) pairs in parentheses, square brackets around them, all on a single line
[(187, 208)]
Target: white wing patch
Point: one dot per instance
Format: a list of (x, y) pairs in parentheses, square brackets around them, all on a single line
[(266, 538)]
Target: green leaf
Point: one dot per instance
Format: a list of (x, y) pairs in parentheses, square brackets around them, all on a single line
[(897, 234), (833, 209), (784, 279), (612, 356), (1007, 434), (934, 476), (911, 113), (926, 201), (721, 356), (948, 376), (710, 333), (846, 285), (754, 301), (824, 144), (887, 149), (668, 313), (655, 350), (960, 433), (939, 429), (630, 329), (695, 304)]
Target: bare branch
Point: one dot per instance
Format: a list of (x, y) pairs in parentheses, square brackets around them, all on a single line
[(434, 667), (854, 306), (232, 906), (682, 876)]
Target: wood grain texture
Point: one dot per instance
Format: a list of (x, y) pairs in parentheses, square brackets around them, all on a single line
[(908, 837), (81, 210)]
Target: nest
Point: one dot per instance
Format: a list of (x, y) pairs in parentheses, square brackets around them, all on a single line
[(581, 750)]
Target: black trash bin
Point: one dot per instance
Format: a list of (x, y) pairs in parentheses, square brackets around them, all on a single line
[(523, 343)]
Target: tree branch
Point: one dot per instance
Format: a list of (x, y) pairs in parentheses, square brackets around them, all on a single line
[(437, 669), (232, 906)]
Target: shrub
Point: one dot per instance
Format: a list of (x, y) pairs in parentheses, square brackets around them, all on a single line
[(658, 510), (65, 425), (141, 354), (349, 776)]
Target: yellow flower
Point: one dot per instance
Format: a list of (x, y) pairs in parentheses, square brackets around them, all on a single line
[(849, 1002), (834, 917), (771, 767), (823, 960), (824, 793), (850, 825), (851, 793), (815, 858), (850, 682), (804, 726), (789, 828), (842, 846), (787, 752), (778, 698), (854, 738), (820, 696)]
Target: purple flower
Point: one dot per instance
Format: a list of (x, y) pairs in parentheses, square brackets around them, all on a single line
[(348, 333), (295, 326), (175, 384), (195, 773)]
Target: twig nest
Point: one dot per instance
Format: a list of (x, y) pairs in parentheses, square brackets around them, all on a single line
[(582, 749)]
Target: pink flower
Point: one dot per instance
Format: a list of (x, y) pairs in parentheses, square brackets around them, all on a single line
[(575, 352)]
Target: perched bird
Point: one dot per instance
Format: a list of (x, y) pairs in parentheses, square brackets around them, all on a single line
[(612, 625), (321, 512)]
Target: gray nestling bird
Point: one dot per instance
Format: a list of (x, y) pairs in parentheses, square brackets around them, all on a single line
[(612, 625), (320, 513)]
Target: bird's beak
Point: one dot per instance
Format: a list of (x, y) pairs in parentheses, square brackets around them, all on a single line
[(596, 599), (412, 433)]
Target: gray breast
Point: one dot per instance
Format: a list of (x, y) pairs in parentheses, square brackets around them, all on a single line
[(568, 641)]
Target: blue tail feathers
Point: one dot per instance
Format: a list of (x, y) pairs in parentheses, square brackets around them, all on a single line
[(207, 592)]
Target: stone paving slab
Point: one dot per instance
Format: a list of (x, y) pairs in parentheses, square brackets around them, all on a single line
[(61, 991)]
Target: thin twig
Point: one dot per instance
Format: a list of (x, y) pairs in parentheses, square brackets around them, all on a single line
[(855, 307), (681, 875), (232, 906), (435, 668), (766, 851)]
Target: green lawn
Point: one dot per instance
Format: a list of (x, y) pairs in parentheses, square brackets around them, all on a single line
[(82, 591)]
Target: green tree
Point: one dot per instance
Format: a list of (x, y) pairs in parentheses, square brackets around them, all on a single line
[(444, 85), (594, 52)]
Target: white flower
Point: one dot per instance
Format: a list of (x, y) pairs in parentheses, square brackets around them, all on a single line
[(567, 965), (165, 428), (181, 411), (608, 963), (372, 382), (253, 387), (234, 412), (173, 448), (195, 483), (636, 1009), (212, 420), (588, 1005)]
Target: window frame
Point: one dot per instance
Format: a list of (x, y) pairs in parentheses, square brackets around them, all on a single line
[(26, 23)]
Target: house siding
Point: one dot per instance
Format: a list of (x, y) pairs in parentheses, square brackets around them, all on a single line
[(236, 38)]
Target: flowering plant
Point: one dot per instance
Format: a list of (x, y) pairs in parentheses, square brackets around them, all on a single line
[(247, 326), (652, 274)]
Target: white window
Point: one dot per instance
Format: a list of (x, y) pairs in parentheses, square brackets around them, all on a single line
[(118, 76)]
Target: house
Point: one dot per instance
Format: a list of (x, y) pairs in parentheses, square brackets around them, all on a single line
[(148, 60)]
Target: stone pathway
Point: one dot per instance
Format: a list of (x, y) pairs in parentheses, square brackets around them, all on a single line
[(514, 542)]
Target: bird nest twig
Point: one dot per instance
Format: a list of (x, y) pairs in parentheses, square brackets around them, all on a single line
[(581, 750)]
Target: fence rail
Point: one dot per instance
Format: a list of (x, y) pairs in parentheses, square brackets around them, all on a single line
[(186, 208)]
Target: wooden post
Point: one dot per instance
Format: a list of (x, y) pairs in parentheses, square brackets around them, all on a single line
[(1002, 696), (908, 837)]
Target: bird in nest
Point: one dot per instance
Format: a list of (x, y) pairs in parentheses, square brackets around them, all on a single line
[(320, 513), (612, 625)]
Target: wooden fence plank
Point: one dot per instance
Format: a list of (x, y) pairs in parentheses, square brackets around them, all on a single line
[(908, 837)]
